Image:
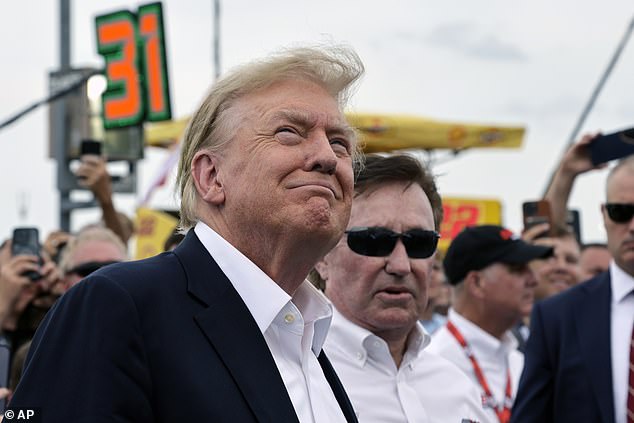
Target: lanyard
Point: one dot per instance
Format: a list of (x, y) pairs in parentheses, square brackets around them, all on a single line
[(503, 413)]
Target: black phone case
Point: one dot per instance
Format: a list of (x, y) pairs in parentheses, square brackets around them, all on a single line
[(612, 146), (26, 242), (90, 147)]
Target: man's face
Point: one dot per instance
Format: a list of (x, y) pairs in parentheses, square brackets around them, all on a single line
[(620, 189), (558, 272), (508, 290), (594, 260), (382, 294), (437, 280), (288, 169), (91, 251)]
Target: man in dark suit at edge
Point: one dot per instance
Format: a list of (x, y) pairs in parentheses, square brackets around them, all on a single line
[(579, 364), (225, 328)]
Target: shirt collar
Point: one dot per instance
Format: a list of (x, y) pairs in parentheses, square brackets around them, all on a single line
[(479, 339), (622, 283), (253, 285), (353, 339)]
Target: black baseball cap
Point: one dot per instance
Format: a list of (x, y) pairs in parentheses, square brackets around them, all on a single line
[(476, 247)]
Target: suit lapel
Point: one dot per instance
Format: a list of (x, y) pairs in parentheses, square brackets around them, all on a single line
[(592, 318), (234, 334)]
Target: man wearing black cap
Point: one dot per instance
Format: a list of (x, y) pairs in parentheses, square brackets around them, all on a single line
[(488, 267)]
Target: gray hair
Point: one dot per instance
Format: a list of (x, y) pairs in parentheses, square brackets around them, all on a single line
[(88, 234), (212, 126)]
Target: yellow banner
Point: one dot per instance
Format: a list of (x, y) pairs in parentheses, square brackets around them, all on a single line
[(153, 229), (166, 133), (383, 133), (386, 133), (462, 212)]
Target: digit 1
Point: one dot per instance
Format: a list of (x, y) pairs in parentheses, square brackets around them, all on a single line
[(150, 18)]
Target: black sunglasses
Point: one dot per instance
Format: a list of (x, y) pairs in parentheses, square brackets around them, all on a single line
[(86, 269), (620, 213), (380, 242)]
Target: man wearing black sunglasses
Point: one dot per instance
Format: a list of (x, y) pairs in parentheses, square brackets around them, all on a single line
[(377, 278), (92, 248), (580, 354)]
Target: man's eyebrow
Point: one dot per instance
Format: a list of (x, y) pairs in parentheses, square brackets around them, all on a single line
[(307, 120)]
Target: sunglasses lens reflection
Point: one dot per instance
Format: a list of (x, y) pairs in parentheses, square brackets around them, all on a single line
[(380, 242), (620, 213)]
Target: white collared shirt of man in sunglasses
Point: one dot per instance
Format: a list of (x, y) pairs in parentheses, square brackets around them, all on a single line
[(376, 277), (92, 248)]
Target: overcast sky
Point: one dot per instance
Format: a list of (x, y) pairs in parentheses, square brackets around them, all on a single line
[(532, 64)]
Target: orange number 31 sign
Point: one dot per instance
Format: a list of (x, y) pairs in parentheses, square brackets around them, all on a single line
[(133, 47)]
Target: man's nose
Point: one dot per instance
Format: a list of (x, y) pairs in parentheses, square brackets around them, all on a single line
[(321, 157), (398, 262)]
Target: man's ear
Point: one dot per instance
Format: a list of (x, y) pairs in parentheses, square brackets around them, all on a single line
[(322, 269), (474, 282), (206, 177)]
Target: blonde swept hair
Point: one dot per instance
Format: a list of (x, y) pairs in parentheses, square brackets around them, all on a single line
[(212, 126)]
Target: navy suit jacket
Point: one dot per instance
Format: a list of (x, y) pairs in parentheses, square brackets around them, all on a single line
[(167, 339), (568, 368)]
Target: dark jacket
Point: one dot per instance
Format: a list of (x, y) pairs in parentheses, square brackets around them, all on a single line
[(167, 339)]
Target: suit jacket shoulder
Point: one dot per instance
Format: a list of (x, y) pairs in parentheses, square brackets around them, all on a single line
[(163, 339), (567, 375)]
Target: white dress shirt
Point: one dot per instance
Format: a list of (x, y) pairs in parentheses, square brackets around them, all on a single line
[(621, 320), (494, 356), (425, 388), (294, 328)]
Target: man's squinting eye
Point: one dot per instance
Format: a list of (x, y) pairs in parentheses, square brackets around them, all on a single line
[(286, 129), (340, 144)]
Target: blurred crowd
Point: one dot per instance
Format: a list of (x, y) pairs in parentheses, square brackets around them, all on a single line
[(31, 283)]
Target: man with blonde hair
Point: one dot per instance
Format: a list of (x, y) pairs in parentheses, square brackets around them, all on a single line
[(225, 328)]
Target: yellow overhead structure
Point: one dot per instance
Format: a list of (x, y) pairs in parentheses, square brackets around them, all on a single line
[(380, 133), (166, 133), (395, 132)]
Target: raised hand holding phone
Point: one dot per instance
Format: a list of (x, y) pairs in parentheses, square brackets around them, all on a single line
[(26, 242), (612, 146), (537, 213)]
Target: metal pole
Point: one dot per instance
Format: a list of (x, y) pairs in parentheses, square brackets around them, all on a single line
[(596, 92), (63, 130), (599, 87), (216, 40), (64, 35)]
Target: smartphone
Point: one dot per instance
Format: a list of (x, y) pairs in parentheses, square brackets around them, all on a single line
[(612, 146), (5, 361), (26, 241), (537, 212), (573, 221), (90, 147)]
